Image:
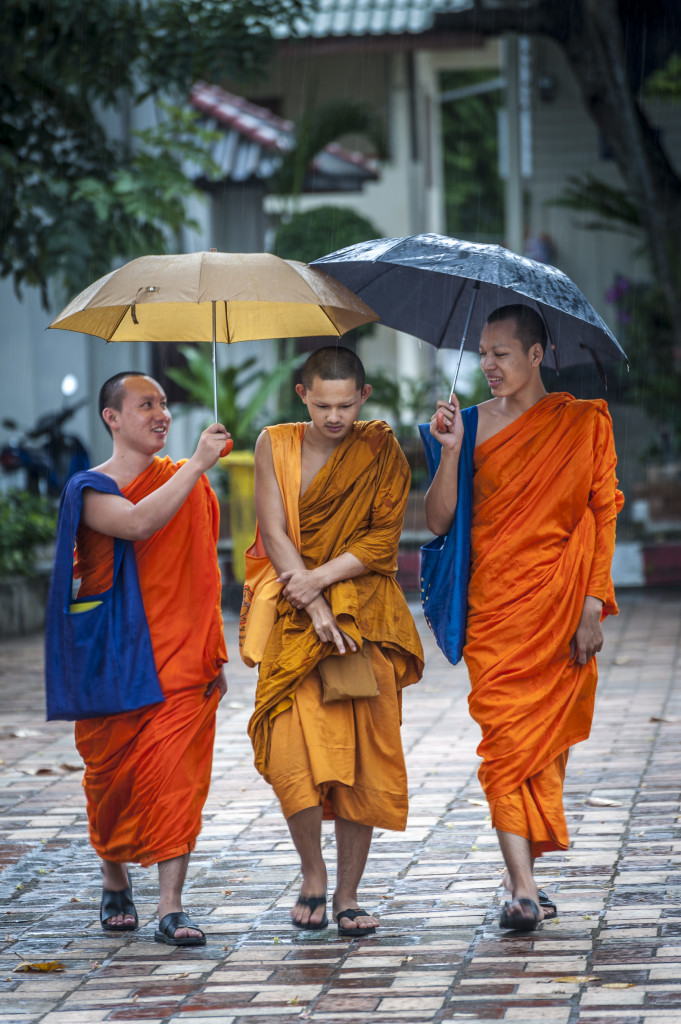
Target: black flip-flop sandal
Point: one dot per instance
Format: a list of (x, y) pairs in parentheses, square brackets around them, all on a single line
[(169, 924), (312, 902), (354, 932), (516, 922), (114, 903), (547, 904)]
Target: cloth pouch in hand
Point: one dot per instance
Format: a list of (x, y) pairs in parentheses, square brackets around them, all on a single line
[(348, 675)]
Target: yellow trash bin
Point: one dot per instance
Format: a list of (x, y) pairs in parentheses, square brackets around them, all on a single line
[(240, 467)]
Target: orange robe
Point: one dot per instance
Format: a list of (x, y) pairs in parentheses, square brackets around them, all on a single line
[(147, 772), (346, 753), (543, 535)]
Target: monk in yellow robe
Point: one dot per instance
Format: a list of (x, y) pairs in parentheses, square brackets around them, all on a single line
[(147, 772), (545, 501), (330, 498)]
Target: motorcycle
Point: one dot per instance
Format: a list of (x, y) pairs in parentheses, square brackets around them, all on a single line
[(47, 454)]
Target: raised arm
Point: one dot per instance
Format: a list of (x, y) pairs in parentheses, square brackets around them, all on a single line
[(115, 516), (446, 426)]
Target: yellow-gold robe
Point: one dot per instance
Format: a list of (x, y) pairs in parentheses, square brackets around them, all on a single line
[(347, 753)]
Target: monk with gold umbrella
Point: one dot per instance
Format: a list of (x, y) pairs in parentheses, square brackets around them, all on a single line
[(148, 757)]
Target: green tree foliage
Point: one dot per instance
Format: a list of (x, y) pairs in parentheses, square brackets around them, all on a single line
[(645, 324), (474, 195), (309, 234), (654, 379), (26, 522), (244, 390), (72, 198)]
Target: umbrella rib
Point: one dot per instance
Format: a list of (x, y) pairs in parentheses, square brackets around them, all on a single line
[(335, 326), (455, 303), (554, 350), (384, 268), (599, 365), (118, 323)]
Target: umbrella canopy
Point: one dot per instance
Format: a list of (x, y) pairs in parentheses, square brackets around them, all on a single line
[(443, 289), (214, 296), (170, 298)]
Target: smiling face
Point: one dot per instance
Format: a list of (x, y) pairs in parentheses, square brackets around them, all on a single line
[(143, 421), (333, 406), (506, 364)]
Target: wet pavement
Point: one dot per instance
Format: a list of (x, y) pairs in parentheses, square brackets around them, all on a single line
[(613, 956)]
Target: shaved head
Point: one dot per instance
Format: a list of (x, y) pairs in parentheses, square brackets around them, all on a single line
[(112, 392), (529, 326), (333, 363)]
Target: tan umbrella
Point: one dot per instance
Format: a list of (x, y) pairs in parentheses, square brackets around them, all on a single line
[(214, 296)]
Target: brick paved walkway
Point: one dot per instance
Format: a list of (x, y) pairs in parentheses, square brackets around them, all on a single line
[(612, 957)]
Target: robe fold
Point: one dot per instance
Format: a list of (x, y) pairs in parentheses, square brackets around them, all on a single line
[(544, 509), (355, 503), (147, 772)]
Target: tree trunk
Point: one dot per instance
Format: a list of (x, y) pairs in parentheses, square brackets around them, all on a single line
[(591, 33), (595, 50)]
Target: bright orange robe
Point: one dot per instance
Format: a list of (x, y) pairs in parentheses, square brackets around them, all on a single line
[(147, 772), (348, 752), (544, 509)]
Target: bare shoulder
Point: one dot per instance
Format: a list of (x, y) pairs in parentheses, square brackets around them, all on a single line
[(263, 457), (263, 442), (490, 420)]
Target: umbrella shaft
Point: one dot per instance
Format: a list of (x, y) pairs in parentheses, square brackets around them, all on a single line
[(474, 295), (215, 370)]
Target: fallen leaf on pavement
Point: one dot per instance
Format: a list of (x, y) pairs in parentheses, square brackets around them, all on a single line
[(663, 718), (602, 801), (621, 659), (619, 984), (47, 967), (72, 767), (580, 978)]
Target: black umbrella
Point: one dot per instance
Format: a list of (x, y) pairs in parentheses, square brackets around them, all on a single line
[(443, 289)]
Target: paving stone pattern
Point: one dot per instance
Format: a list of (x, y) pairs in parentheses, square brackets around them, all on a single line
[(613, 956)]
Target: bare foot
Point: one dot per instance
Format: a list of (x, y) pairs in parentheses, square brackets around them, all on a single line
[(313, 888), (518, 914), (360, 924), (179, 933), (309, 911), (115, 879)]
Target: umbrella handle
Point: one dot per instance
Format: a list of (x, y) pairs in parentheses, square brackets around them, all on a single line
[(215, 371), (474, 295)]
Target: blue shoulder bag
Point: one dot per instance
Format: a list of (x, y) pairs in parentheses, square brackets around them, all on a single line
[(98, 654), (445, 561)]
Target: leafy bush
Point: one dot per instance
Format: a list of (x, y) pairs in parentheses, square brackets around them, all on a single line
[(309, 234), (26, 522), (243, 389)]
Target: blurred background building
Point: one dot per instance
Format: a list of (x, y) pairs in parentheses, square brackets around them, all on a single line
[(368, 118)]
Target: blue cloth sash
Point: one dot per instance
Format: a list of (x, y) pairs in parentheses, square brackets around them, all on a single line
[(445, 561)]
